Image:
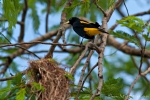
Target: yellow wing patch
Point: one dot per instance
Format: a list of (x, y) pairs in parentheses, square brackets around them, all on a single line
[(84, 22), (92, 31)]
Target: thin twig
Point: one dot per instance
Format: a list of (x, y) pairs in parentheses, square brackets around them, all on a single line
[(88, 75), (83, 71), (39, 42), (136, 65), (22, 28), (48, 11), (126, 7), (142, 13), (19, 46), (21, 51), (8, 78), (9, 58), (5, 38), (60, 31), (73, 68), (101, 9), (131, 87), (52, 48), (142, 53), (119, 11), (140, 73), (29, 51), (146, 72)]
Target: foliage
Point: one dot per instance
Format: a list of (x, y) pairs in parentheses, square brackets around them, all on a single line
[(69, 76), (136, 25), (112, 88), (18, 89), (11, 11), (20, 95), (133, 23), (34, 14), (115, 64), (126, 36)]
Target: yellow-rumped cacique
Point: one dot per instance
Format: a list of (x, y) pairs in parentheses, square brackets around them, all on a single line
[(85, 29)]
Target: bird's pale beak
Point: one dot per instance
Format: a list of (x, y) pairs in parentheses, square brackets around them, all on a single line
[(67, 22)]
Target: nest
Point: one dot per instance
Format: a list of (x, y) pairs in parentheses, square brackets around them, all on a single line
[(47, 73)]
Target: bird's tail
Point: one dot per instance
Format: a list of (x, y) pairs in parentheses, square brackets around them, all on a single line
[(100, 28)]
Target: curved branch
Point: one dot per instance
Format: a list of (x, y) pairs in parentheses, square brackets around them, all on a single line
[(126, 49), (95, 2), (142, 13)]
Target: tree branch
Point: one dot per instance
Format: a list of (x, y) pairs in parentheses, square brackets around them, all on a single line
[(83, 71), (60, 31), (22, 28), (142, 13), (48, 11), (73, 68), (126, 49), (95, 2), (131, 87)]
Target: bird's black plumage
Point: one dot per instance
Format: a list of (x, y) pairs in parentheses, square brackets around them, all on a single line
[(85, 29)]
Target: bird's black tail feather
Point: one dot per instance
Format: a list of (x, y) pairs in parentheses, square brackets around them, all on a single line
[(99, 26)]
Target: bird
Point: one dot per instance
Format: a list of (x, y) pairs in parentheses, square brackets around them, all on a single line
[(85, 29)]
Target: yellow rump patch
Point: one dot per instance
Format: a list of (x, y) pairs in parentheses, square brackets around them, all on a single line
[(92, 31)]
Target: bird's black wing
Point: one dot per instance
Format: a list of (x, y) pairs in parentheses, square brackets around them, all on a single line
[(79, 29), (95, 25)]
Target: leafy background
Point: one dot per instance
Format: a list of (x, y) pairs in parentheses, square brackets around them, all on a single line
[(119, 69)]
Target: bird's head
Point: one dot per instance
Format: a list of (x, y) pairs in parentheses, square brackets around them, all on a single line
[(72, 20)]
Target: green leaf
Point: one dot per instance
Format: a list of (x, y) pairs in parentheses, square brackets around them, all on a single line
[(57, 5), (85, 6), (148, 28), (69, 76), (112, 88), (4, 91), (133, 23), (21, 94), (17, 80), (72, 7), (37, 87), (147, 38), (111, 3), (35, 19), (11, 11), (126, 36)]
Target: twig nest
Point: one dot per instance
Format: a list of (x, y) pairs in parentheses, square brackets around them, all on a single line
[(47, 73)]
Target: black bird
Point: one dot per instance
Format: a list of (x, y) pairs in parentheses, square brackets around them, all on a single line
[(85, 29)]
